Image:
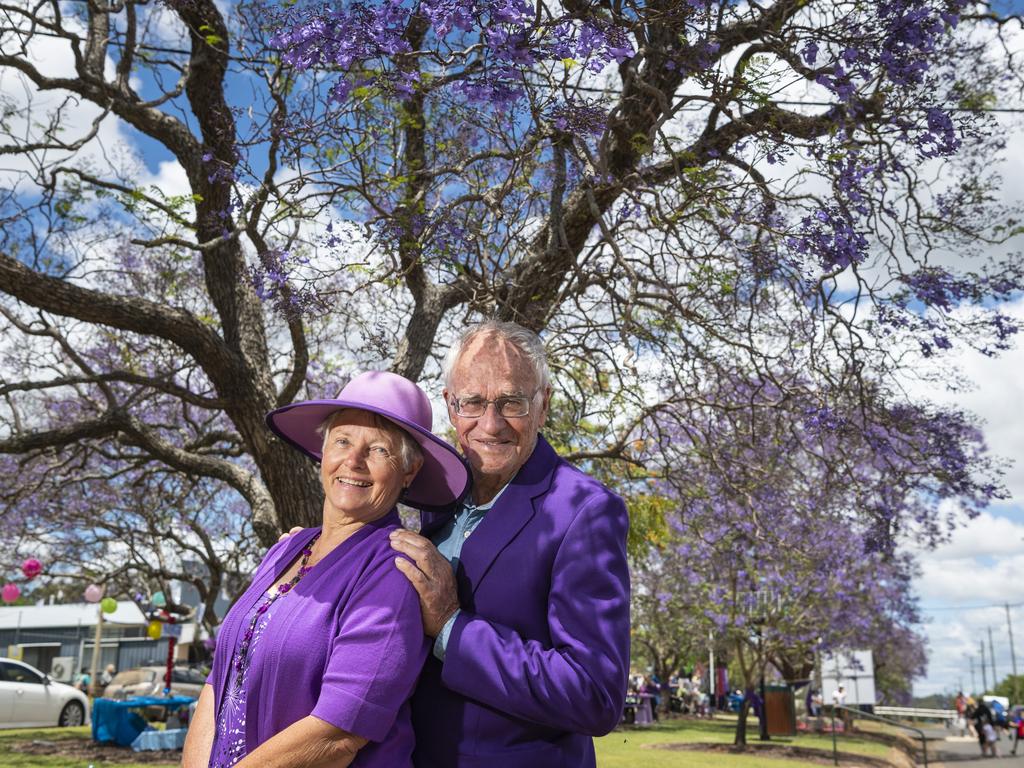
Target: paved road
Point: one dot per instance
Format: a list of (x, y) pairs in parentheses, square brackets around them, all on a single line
[(963, 752)]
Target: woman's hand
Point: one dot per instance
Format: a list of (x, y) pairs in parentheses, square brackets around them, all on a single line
[(292, 532), (199, 740)]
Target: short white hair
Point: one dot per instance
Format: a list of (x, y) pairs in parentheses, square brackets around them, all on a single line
[(408, 450), (523, 339)]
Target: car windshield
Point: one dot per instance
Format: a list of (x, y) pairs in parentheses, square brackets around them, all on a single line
[(134, 677)]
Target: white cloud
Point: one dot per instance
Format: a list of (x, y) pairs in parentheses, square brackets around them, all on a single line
[(986, 536), (980, 566), (170, 178), (995, 396)]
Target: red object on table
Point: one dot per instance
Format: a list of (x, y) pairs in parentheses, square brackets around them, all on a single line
[(171, 642)]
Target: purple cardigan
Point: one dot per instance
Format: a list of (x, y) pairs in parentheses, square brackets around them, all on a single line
[(538, 658), (346, 645)]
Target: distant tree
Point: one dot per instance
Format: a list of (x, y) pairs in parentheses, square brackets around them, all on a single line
[(1012, 687), (790, 525), (900, 656)]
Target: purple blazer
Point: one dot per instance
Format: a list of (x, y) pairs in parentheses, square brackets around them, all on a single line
[(538, 658), (346, 645)]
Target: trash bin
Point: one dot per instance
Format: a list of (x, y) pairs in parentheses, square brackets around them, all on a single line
[(780, 710)]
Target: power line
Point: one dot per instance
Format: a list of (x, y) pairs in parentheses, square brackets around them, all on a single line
[(972, 607), (707, 103)]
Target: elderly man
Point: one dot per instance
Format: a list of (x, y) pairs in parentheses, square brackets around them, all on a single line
[(524, 585)]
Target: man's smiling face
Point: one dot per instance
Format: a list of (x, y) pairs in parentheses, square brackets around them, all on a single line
[(495, 446)]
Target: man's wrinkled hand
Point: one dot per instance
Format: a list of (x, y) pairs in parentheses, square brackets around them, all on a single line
[(432, 577)]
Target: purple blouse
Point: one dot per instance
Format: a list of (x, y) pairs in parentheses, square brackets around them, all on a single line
[(346, 645), (229, 738)]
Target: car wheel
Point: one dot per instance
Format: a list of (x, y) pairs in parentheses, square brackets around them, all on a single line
[(72, 715)]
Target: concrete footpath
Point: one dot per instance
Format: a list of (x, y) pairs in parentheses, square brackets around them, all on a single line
[(946, 751)]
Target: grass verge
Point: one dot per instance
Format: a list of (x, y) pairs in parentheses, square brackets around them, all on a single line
[(631, 746), (73, 748)]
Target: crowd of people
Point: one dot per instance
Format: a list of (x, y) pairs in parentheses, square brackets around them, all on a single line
[(988, 721), (684, 694)]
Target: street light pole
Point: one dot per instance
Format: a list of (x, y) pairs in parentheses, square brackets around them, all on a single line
[(992, 660), (984, 675), (1013, 655), (762, 721)]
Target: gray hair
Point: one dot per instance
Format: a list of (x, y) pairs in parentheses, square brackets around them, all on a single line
[(523, 339), (409, 451)]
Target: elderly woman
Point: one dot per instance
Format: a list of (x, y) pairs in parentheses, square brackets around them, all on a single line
[(316, 661)]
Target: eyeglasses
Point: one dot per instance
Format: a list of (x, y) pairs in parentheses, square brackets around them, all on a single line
[(512, 407)]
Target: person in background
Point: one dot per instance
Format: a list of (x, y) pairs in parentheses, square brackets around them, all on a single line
[(991, 738), (107, 675), (82, 680), (653, 690), (982, 717), (1018, 731), (839, 702), (961, 712)]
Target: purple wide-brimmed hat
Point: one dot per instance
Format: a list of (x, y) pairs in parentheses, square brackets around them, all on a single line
[(444, 477)]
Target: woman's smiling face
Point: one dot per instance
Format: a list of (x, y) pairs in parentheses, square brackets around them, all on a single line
[(361, 469)]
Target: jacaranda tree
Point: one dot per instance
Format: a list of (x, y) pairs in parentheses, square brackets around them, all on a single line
[(670, 191), (790, 526)]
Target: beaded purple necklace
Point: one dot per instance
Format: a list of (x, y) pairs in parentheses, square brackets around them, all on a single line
[(242, 659)]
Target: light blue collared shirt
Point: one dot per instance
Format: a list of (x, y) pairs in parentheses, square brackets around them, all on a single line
[(449, 541)]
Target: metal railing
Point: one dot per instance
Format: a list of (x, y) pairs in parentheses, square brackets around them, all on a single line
[(917, 713), (869, 716)]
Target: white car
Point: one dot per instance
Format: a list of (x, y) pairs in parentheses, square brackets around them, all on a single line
[(29, 699)]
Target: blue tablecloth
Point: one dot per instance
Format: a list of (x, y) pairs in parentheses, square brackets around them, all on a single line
[(154, 739), (118, 721)]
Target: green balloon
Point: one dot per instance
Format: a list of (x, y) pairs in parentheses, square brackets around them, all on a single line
[(108, 605), (159, 600)]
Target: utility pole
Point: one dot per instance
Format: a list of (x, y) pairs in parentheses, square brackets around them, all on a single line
[(1013, 655), (992, 659), (974, 686), (984, 678)]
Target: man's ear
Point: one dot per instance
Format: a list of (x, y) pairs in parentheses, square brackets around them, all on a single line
[(448, 405), (545, 405)]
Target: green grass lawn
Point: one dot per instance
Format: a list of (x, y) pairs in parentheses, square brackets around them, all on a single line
[(623, 748)]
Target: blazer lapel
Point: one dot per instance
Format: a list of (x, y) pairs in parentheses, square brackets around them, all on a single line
[(506, 518)]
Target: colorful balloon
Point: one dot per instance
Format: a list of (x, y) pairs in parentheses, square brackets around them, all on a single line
[(108, 605), (210, 644), (31, 568), (10, 593), (154, 630), (93, 593), (159, 600)]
